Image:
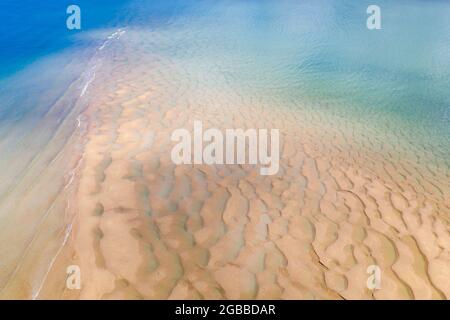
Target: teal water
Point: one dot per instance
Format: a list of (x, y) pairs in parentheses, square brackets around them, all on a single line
[(40, 60), (321, 54), (306, 54), (43, 69), (311, 53), (316, 49)]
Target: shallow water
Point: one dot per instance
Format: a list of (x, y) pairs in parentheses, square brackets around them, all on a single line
[(44, 69), (377, 96), (321, 53), (318, 51)]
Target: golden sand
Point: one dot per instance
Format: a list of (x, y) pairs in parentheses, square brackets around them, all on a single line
[(345, 198)]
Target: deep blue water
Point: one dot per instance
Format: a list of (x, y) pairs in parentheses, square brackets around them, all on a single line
[(32, 29)]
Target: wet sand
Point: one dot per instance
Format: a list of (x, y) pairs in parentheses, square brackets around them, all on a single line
[(348, 195)]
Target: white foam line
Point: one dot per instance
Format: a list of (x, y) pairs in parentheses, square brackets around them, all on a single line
[(66, 237), (30, 243), (103, 45), (120, 34), (116, 34), (87, 85), (73, 172), (57, 156), (69, 229)]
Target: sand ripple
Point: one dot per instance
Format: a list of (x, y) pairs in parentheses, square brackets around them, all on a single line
[(348, 195)]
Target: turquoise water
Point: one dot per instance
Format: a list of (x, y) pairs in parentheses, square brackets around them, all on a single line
[(317, 52), (321, 54)]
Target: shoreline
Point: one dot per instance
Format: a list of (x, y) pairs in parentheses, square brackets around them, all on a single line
[(147, 229), (348, 195), (248, 212)]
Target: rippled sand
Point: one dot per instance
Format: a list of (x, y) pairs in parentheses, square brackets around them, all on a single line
[(348, 195)]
